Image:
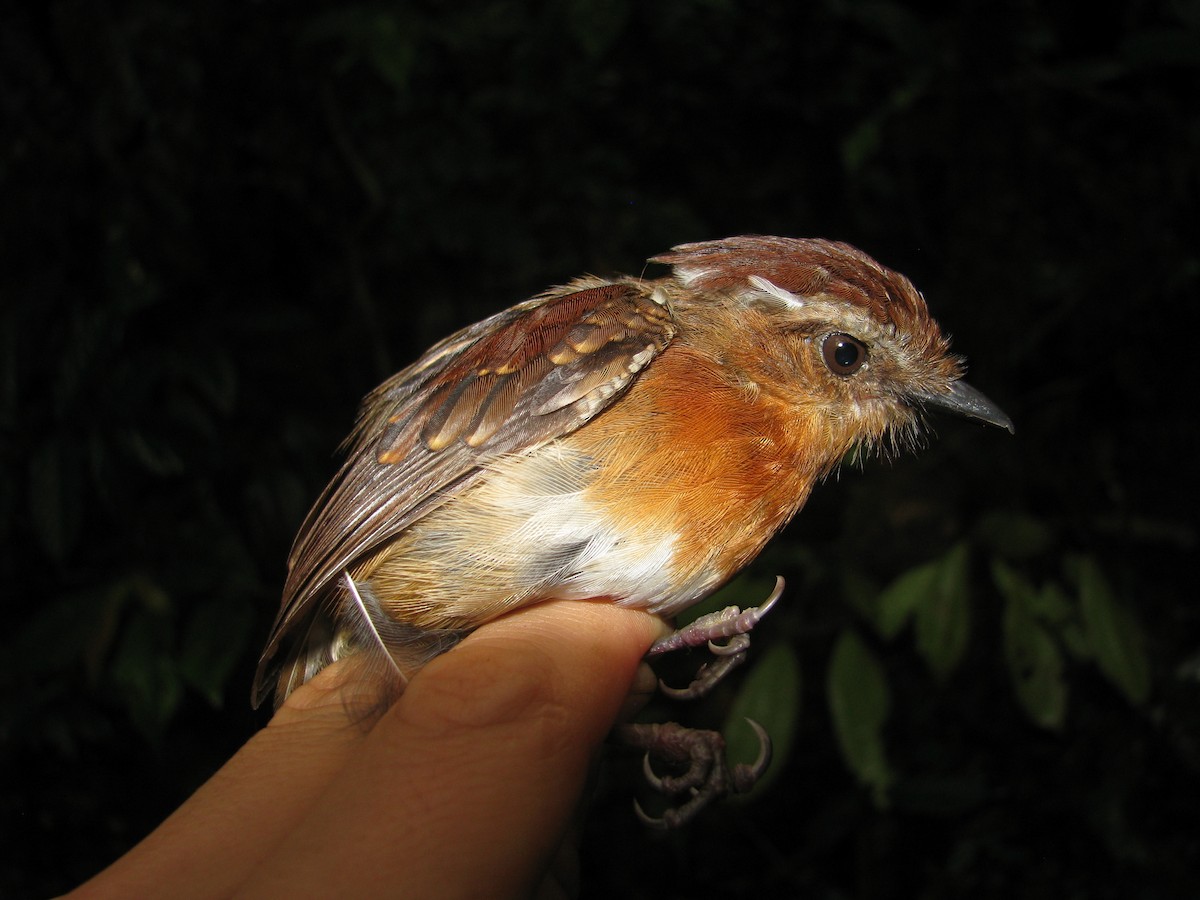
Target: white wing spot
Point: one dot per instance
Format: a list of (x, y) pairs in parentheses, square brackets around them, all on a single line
[(639, 359)]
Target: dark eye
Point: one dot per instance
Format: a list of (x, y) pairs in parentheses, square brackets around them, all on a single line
[(844, 354)]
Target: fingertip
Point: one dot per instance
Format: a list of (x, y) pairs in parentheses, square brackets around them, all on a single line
[(562, 670)]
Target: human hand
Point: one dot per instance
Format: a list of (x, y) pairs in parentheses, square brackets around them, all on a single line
[(466, 786)]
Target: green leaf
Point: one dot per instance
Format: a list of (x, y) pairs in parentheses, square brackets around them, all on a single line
[(860, 593), (1113, 633), (1015, 535), (1035, 665), (862, 143), (770, 695), (859, 702), (1052, 605), (943, 614), (1075, 639), (1012, 586), (1049, 604), (900, 599), (144, 675)]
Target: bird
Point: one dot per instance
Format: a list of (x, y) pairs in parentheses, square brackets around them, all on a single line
[(630, 440)]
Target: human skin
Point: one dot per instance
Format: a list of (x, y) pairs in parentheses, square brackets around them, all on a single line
[(466, 786)]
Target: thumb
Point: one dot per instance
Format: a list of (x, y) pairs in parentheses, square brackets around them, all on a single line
[(468, 782)]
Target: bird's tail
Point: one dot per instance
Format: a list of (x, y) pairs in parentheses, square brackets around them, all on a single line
[(384, 653)]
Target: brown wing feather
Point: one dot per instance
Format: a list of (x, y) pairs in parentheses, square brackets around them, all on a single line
[(509, 383)]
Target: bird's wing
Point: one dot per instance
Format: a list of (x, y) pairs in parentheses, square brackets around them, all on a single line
[(512, 382)]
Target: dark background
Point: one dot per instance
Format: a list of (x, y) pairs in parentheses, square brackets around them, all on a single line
[(222, 225)]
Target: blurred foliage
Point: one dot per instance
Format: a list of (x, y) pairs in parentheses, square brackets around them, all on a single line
[(223, 224)]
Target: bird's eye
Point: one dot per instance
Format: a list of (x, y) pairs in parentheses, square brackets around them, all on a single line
[(844, 354)]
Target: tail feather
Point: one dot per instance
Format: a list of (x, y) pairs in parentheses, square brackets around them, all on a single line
[(368, 630), (388, 653)]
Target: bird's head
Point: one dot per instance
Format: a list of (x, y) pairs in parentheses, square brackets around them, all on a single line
[(836, 335)]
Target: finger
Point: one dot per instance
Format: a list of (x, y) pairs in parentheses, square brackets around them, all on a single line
[(234, 821), (466, 785)]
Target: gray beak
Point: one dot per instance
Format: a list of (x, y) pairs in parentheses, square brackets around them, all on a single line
[(963, 399)]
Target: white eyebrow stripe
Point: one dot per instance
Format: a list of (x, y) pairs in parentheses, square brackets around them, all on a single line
[(768, 287)]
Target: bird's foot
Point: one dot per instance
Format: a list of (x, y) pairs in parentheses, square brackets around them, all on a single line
[(727, 634), (698, 756), (705, 776)]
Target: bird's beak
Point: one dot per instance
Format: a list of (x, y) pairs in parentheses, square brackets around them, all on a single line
[(963, 399)]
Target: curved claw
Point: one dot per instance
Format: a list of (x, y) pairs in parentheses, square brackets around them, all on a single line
[(683, 693), (739, 643), (746, 775), (709, 675), (647, 819), (670, 818), (650, 775), (775, 594)]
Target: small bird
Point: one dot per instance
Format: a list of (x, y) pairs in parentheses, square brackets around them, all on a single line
[(631, 440)]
